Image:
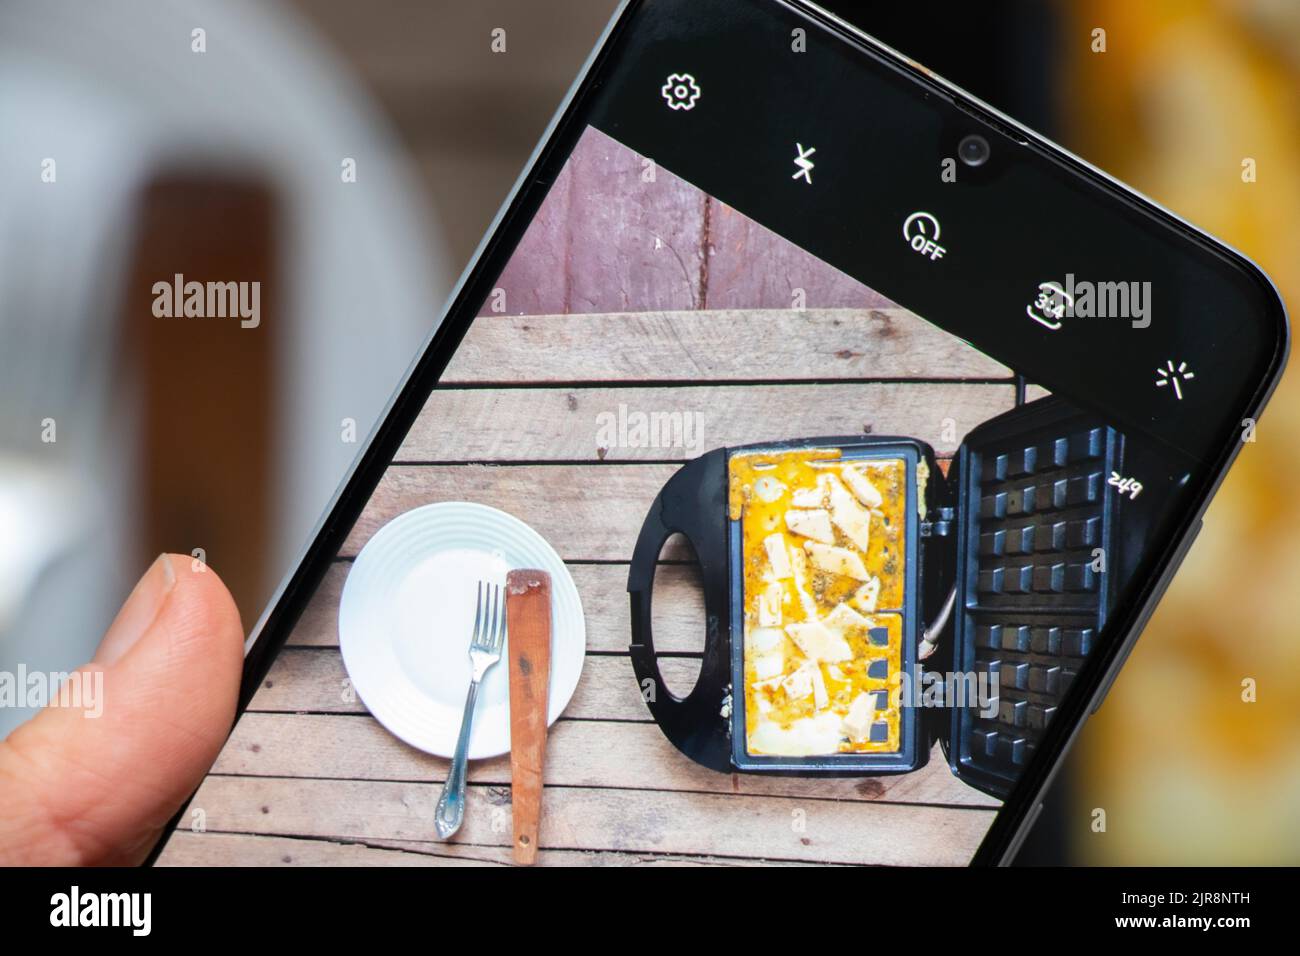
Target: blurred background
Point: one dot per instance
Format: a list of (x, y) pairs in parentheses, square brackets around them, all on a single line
[(349, 157)]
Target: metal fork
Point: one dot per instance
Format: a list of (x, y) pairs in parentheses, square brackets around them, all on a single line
[(484, 651)]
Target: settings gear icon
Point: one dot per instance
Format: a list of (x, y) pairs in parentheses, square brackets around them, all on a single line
[(681, 92)]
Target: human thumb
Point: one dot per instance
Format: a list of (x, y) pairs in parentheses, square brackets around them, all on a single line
[(94, 777)]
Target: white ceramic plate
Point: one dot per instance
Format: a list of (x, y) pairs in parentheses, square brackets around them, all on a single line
[(407, 615)]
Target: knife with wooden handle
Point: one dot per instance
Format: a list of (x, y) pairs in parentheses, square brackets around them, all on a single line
[(528, 617)]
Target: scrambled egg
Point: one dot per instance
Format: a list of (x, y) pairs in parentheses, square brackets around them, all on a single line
[(823, 551)]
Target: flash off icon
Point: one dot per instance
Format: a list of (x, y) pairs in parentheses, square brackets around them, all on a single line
[(804, 163)]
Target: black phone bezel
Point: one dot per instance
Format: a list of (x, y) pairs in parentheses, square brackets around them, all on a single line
[(1011, 824)]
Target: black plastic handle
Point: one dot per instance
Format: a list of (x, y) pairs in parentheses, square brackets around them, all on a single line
[(693, 503)]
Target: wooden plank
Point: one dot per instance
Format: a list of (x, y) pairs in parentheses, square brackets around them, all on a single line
[(585, 514), (678, 608), (243, 849), (579, 754), (751, 267), (319, 624), (717, 345), (314, 680), (625, 821), (680, 423)]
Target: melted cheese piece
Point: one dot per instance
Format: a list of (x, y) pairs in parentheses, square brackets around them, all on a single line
[(822, 553), (867, 597), (844, 617), (765, 653), (861, 715), (849, 516), (770, 603), (800, 737), (819, 643), (778, 557), (811, 523), (799, 570), (821, 698), (799, 683), (814, 497), (862, 488), (833, 560)]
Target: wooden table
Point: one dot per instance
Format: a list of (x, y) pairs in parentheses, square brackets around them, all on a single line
[(308, 777)]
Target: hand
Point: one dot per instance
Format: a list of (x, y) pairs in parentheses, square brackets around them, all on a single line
[(78, 789)]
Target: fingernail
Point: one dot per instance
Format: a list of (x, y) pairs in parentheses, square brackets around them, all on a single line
[(139, 611)]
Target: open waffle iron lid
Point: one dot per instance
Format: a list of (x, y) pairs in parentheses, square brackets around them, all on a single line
[(1023, 531)]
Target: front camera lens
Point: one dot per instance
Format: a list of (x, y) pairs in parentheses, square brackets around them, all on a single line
[(974, 150)]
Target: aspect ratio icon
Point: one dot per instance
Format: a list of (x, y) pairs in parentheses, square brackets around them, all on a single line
[(921, 230)]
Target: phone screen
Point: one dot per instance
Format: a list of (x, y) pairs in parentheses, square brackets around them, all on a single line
[(842, 488)]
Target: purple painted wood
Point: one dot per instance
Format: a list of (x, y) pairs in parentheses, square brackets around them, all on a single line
[(618, 235), (634, 246), (534, 281), (613, 235), (751, 267)]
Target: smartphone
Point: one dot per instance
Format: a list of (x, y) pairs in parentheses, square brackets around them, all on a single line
[(868, 425)]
